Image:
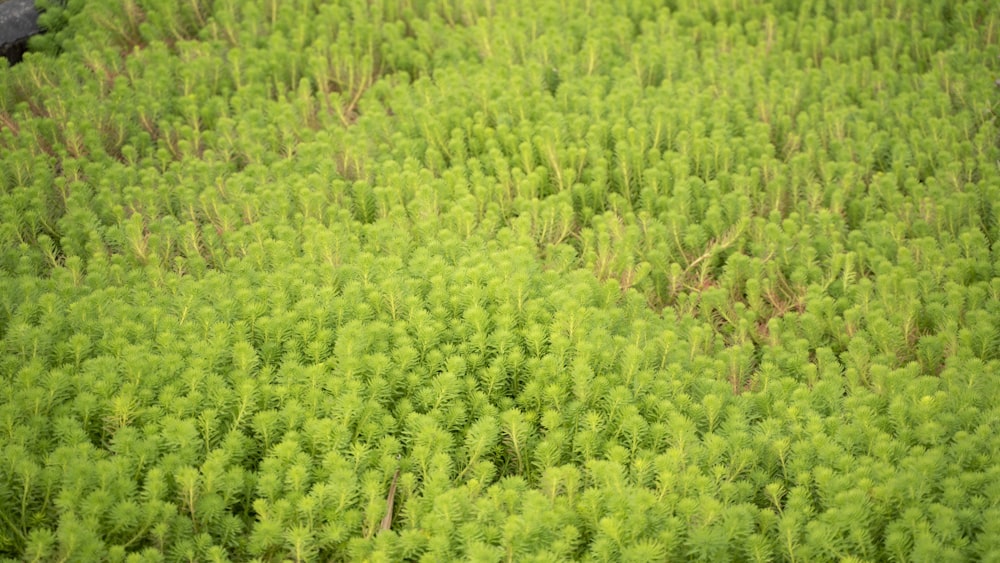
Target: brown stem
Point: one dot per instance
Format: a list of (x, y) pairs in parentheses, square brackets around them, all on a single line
[(389, 501)]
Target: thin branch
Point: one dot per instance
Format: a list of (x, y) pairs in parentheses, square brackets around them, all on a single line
[(389, 501), (716, 245)]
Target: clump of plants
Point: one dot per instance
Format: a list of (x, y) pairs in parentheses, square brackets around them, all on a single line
[(501, 281)]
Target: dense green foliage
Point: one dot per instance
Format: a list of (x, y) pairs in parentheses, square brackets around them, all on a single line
[(482, 280)]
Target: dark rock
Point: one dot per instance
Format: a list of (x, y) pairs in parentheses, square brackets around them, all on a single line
[(18, 22)]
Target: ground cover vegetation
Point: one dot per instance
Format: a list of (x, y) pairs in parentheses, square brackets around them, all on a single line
[(501, 281)]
